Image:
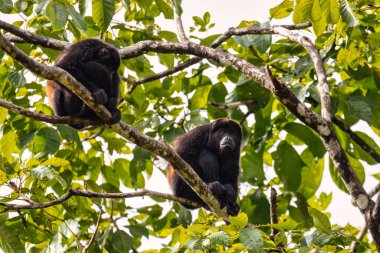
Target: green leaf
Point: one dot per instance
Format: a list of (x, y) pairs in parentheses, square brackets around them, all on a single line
[(206, 17), (311, 175), (347, 15), (360, 108), (321, 221), (251, 238), (17, 78), (56, 161), (261, 42), (166, 8), (302, 11), (46, 140), (6, 6), (199, 99), (102, 12), (77, 18), (42, 172), (239, 221), (121, 241), (316, 11), (9, 240), (307, 136), (282, 10), (288, 165), (145, 4), (57, 13), (252, 165), (221, 238), (8, 144)]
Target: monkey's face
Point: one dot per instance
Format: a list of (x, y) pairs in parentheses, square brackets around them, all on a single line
[(225, 137), (109, 57)]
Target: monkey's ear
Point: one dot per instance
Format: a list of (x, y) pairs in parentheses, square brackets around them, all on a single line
[(213, 124)]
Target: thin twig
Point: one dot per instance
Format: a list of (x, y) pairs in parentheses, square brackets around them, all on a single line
[(359, 238), (89, 194), (356, 138), (92, 239), (375, 190), (232, 104)]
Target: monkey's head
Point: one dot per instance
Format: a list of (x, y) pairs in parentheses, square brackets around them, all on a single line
[(224, 136), (109, 57)]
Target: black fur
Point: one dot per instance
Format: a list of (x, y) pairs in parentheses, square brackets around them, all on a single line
[(94, 64), (213, 150)]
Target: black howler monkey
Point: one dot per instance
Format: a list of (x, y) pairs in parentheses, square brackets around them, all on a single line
[(213, 150), (94, 64)]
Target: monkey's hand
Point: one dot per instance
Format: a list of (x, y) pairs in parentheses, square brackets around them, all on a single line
[(100, 96), (217, 188), (233, 208), (116, 116)]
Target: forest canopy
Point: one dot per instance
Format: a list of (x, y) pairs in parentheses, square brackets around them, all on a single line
[(296, 88)]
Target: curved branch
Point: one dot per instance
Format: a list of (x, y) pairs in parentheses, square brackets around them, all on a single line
[(47, 118), (319, 68), (89, 194), (34, 38)]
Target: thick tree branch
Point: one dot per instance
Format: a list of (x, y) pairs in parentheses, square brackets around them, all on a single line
[(33, 38), (89, 194), (47, 118), (216, 43)]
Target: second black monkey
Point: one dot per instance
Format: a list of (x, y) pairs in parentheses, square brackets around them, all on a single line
[(94, 64), (213, 151)]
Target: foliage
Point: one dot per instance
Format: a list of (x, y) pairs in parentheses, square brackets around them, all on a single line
[(40, 161)]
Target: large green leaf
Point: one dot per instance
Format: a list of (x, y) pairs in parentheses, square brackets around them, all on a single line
[(288, 165), (311, 175), (102, 12), (307, 136), (9, 240), (46, 140), (321, 221), (6, 6), (261, 42), (282, 10), (347, 15), (57, 13), (252, 239)]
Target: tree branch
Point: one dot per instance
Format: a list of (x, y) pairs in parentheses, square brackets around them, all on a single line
[(318, 63), (232, 104), (33, 38), (47, 118), (92, 239), (356, 138), (216, 43), (89, 194)]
